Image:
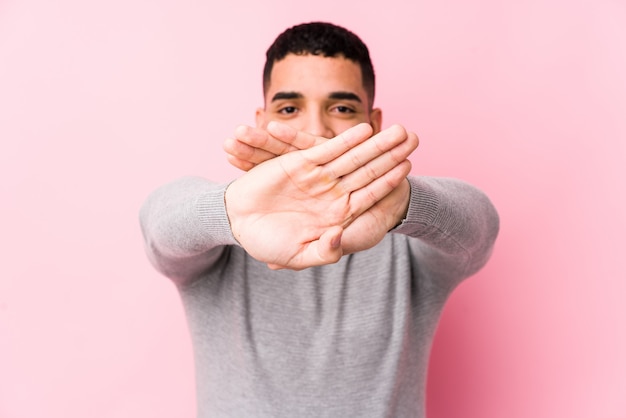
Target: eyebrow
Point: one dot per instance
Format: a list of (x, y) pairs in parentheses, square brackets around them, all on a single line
[(344, 95), (287, 95), (336, 95)]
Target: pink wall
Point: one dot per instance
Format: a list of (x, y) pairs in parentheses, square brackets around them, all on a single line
[(102, 101)]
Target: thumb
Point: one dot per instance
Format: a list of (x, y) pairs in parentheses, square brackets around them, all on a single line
[(325, 250), (328, 246)]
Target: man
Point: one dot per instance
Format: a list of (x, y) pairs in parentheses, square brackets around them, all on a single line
[(313, 283)]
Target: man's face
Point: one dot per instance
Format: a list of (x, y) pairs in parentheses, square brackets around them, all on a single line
[(319, 95)]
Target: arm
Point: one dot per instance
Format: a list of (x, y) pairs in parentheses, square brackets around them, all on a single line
[(455, 224), (185, 228), (289, 212)]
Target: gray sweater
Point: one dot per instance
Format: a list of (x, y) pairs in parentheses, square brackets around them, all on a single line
[(350, 339)]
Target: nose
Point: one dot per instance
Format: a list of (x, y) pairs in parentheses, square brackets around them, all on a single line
[(317, 124)]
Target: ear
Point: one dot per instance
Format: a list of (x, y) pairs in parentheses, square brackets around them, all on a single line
[(376, 120), (259, 116)]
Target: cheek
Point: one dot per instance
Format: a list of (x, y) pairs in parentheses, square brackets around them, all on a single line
[(343, 125), (263, 120), (295, 123)]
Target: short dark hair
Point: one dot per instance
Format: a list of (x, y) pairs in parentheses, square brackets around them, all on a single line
[(325, 39)]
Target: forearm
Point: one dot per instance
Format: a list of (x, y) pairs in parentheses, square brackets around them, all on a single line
[(455, 225), (185, 227)]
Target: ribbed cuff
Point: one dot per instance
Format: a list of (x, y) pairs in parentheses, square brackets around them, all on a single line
[(423, 207), (213, 217)]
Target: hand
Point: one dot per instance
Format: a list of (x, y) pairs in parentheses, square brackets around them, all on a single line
[(291, 211), (371, 227), (252, 146)]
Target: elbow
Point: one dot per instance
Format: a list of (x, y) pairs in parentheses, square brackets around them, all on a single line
[(487, 230)]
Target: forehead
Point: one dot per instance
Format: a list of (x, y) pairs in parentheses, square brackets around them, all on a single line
[(314, 75)]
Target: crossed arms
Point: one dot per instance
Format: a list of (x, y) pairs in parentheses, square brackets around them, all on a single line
[(306, 201)]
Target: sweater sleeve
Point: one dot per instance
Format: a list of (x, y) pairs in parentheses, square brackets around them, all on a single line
[(185, 227), (454, 224)]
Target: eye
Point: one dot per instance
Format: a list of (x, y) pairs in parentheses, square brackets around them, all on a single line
[(288, 110), (343, 109)]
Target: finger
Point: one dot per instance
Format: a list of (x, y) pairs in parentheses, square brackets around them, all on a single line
[(261, 139), (380, 165), (276, 266), (296, 139), (339, 145), (240, 164), (242, 152), (376, 146), (366, 197), (325, 250)]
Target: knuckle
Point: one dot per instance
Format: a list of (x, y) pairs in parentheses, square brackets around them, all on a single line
[(370, 172), (354, 158)]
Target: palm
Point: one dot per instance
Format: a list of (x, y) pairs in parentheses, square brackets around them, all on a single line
[(291, 207), (370, 227)]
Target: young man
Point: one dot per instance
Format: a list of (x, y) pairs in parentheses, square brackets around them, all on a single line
[(313, 283)]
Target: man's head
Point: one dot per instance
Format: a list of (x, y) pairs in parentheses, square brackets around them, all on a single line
[(326, 40), (319, 78)]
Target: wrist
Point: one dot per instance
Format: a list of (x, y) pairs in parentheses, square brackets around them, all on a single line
[(402, 207), (229, 206)]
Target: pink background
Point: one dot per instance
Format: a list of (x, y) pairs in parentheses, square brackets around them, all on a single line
[(100, 102)]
